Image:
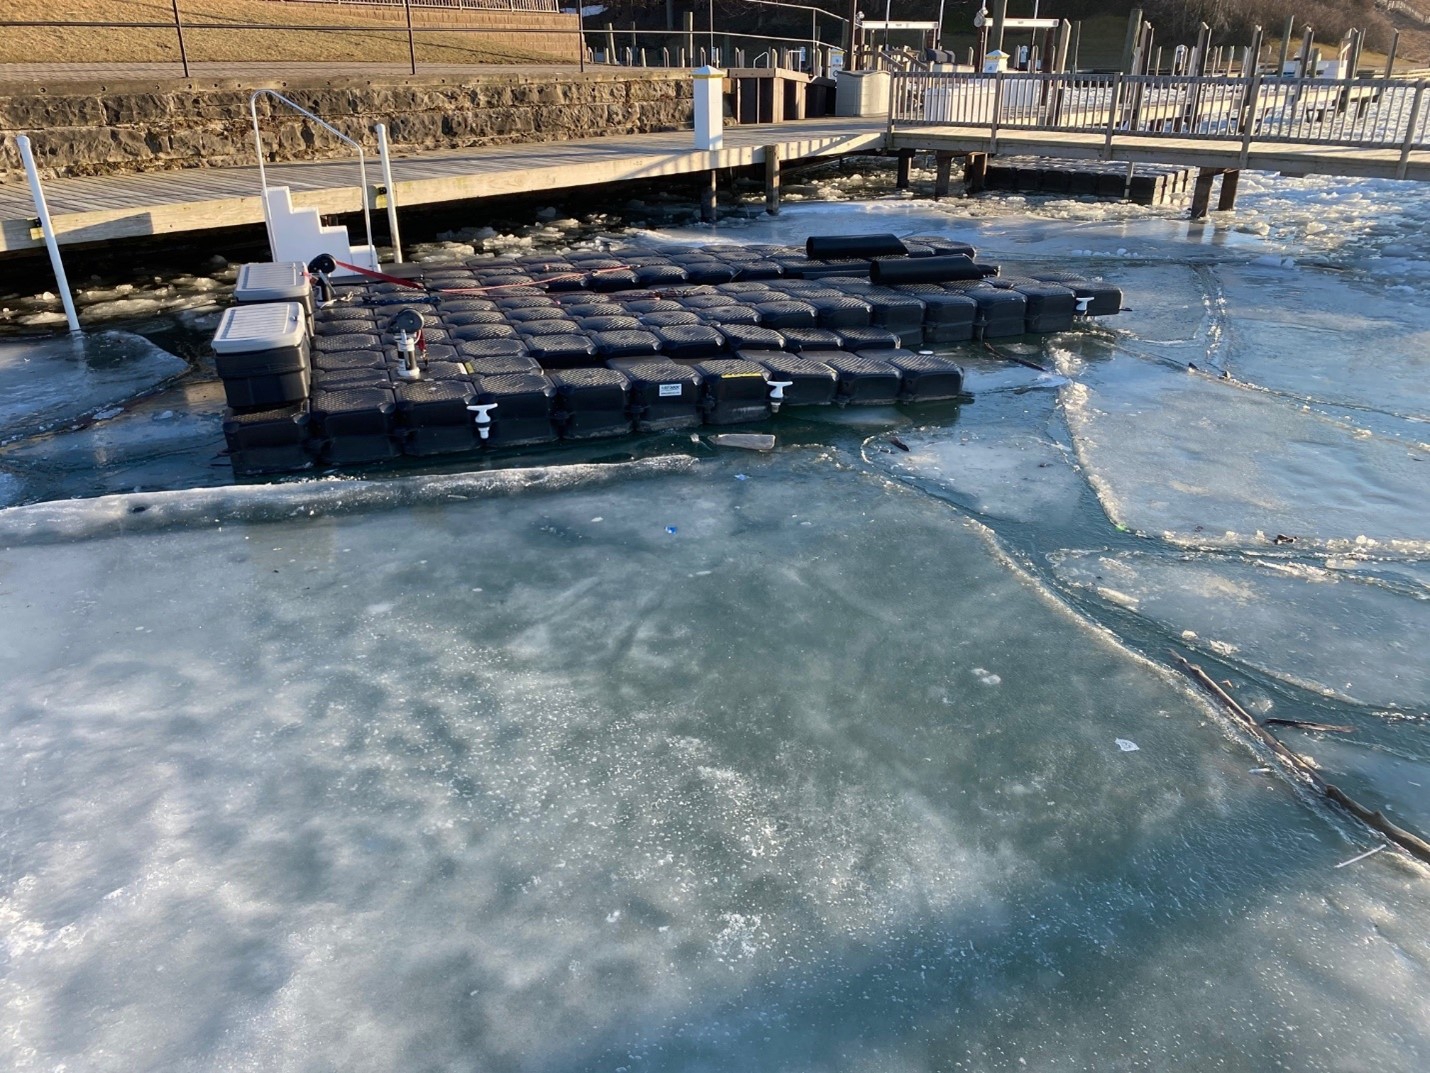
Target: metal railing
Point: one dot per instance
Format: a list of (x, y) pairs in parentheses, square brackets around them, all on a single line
[(551, 6), (1358, 113), (633, 47), (263, 165), (174, 27), (1400, 7)]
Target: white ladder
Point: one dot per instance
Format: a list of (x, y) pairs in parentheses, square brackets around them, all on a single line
[(299, 234)]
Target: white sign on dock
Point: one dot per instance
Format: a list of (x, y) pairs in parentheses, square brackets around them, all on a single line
[(898, 24)]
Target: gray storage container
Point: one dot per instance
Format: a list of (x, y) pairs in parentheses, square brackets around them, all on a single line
[(261, 282), (261, 352)]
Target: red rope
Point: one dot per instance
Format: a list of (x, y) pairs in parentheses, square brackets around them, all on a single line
[(383, 276)]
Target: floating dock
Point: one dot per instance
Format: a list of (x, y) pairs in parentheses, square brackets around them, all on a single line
[(1142, 184), (495, 354)]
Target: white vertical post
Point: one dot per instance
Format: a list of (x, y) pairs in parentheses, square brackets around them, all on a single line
[(381, 129), (42, 210), (709, 109)]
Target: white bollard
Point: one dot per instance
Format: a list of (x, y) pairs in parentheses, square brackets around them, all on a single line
[(709, 108), (42, 210)]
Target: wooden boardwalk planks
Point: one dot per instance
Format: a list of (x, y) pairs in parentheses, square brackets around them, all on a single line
[(130, 206)]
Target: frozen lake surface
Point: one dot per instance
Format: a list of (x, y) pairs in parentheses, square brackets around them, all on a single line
[(659, 758)]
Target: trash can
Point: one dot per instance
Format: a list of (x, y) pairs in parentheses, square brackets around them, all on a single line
[(861, 93), (938, 105)]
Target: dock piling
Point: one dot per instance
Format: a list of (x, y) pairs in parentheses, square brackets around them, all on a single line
[(906, 163), (772, 180), (707, 195), (944, 176), (1226, 200), (975, 173), (1202, 192)]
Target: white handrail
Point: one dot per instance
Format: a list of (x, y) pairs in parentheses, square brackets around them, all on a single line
[(386, 158), (263, 171)]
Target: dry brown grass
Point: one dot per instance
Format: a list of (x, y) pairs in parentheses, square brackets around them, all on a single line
[(80, 44)]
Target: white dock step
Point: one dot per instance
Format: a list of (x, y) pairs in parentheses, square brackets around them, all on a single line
[(299, 234)]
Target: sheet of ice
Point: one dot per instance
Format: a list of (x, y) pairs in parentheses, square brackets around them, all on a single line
[(156, 448), (1351, 632), (997, 461), (50, 381), (700, 773), (1330, 339), (1202, 461)]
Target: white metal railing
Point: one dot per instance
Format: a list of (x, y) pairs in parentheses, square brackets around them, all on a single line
[(1362, 113), (263, 168)]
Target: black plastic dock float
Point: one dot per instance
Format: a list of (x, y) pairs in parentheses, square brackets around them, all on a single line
[(499, 353)]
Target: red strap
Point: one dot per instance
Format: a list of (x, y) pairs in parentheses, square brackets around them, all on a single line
[(384, 277)]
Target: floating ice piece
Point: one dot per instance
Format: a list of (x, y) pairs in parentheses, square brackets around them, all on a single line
[(748, 441), (1269, 616), (996, 470), (53, 380), (1127, 746), (1189, 457)]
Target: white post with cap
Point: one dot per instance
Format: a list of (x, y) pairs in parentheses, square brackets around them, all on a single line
[(709, 107)]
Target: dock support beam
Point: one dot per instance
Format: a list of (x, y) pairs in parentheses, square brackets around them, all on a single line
[(975, 173), (944, 176), (1226, 200), (1202, 192), (772, 179), (906, 163), (707, 196)]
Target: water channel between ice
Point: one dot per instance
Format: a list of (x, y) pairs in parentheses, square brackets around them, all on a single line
[(652, 757)]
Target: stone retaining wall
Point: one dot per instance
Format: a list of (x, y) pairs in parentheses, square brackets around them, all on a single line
[(97, 130)]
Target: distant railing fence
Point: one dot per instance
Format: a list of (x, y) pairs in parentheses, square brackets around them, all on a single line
[(675, 48), (1355, 112), (551, 6), (601, 45)]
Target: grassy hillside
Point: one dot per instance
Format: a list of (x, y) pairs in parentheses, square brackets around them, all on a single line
[(92, 45)]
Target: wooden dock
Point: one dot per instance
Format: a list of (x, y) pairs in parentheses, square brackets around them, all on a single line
[(100, 209), (1292, 159), (90, 210)]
